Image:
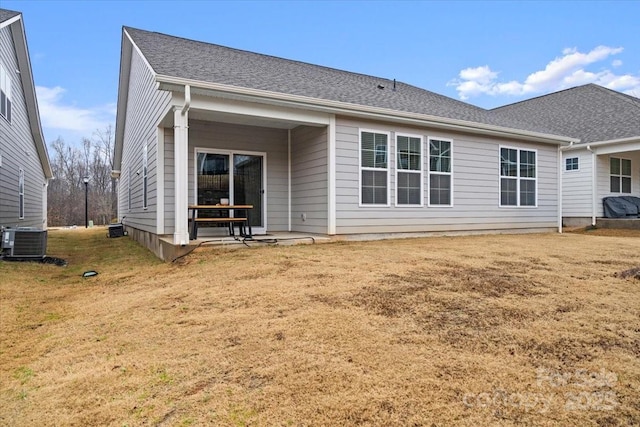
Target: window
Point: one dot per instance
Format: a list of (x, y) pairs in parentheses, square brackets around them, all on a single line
[(517, 177), (21, 194), (620, 171), (145, 179), (571, 164), (409, 170), (374, 168), (440, 172), (129, 187), (5, 94)]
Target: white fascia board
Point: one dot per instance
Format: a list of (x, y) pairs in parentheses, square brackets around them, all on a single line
[(29, 89), (615, 145), (609, 142), (126, 51), (10, 21), (123, 88), (345, 108)]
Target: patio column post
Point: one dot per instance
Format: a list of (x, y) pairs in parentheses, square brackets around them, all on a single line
[(181, 178)]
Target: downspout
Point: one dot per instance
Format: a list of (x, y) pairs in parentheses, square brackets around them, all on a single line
[(594, 181), (187, 100), (560, 184), (560, 190), (289, 179)]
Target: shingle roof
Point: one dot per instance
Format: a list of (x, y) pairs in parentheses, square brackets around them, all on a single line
[(7, 14), (591, 113), (206, 62)]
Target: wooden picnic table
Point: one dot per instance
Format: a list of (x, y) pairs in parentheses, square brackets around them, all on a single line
[(230, 218)]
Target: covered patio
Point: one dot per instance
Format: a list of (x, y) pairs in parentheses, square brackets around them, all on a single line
[(273, 158)]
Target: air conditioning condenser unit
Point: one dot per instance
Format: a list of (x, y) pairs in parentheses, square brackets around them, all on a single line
[(24, 242)]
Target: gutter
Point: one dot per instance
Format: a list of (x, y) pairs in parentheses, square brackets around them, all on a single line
[(628, 140), (337, 107)]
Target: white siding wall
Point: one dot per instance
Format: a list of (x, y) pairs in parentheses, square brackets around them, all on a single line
[(604, 183), (146, 106), (230, 137), (309, 179), (476, 190), (577, 197), (18, 150)]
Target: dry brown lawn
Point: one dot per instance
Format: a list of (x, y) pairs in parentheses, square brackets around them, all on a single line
[(478, 330)]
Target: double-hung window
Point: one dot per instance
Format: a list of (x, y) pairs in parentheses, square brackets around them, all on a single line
[(145, 180), (374, 168), (518, 180), (440, 178), (21, 194), (409, 170), (620, 171), (5, 94)]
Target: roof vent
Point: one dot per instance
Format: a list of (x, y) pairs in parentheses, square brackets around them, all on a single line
[(380, 86)]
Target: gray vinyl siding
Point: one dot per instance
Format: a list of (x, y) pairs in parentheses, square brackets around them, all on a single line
[(145, 107), (309, 179), (603, 180), (232, 137), (18, 150), (476, 186), (577, 194)]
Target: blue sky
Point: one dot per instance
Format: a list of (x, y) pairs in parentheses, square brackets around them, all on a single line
[(486, 53)]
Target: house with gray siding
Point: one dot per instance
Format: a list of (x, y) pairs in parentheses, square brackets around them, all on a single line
[(24, 163), (316, 149), (606, 161)]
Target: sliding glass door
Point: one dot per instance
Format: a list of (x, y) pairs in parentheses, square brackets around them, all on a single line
[(236, 176)]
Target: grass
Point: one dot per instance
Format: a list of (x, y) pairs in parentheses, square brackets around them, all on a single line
[(478, 330)]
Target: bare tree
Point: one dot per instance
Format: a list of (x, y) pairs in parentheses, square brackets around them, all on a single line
[(105, 140), (94, 159)]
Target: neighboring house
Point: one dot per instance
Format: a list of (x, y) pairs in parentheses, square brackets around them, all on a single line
[(606, 162), (24, 163), (315, 149)]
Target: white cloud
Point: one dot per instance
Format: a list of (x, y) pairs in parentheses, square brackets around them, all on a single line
[(566, 71), (62, 118)]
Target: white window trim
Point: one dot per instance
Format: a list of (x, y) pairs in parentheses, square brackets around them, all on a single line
[(420, 172), (226, 152), (387, 169), (145, 176), (517, 178), (428, 159), (5, 86), (565, 164), (21, 200), (129, 189), (620, 175)]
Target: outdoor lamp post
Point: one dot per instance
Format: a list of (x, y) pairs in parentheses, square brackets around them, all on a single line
[(86, 201)]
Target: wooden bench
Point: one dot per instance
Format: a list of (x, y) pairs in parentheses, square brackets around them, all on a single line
[(229, 221)]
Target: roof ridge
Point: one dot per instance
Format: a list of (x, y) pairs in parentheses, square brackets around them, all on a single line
[(540, 96), (625, 97), (280, 58)]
